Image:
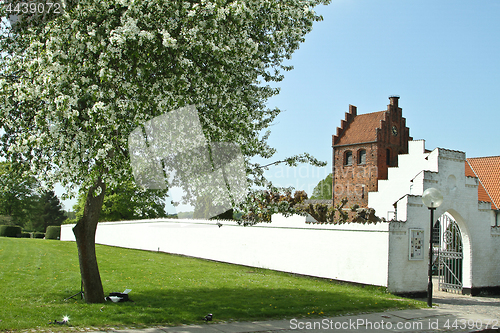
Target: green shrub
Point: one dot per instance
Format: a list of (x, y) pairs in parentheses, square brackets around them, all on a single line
[(53, 232), (26, 235), (38, 235), (10, 231)]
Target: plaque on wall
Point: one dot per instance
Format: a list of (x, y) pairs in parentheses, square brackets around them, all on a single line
[(416, 243)]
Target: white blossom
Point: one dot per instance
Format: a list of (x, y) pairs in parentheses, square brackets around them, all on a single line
[(87, 83), (168, 41)]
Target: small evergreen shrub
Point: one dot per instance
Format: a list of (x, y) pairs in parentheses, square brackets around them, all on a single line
[(10, 231), (38, 235), (26, 235), (53, 232)]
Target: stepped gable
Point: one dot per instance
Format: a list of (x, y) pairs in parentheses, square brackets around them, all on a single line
[(487, 170), (344, 124), (363, 128)]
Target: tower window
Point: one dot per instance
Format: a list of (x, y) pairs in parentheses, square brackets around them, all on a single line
[(388, 156), (362, 156), (348, 158)]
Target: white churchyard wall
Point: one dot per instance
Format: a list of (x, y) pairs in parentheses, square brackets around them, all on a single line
[(350, 252)]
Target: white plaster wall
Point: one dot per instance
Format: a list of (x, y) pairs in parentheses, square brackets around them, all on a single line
[(494, 268), (407, 275), (350, 252)]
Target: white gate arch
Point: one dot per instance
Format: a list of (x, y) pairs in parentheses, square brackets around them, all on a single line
[(401, 196)]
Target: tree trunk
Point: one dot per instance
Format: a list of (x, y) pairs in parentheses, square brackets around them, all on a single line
[(84, 232)]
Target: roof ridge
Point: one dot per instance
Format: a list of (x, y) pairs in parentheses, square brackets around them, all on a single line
[(472, 158), (363, 114)]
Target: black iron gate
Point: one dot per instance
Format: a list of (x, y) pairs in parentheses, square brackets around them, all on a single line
[(450, 255)]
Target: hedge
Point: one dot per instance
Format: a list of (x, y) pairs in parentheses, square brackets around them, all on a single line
[(53, 232), (38, 235), (10, 231)]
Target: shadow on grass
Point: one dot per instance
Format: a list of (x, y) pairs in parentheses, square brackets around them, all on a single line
[(173, 307)]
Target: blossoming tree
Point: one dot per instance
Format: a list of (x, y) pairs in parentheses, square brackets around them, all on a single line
[(74, 87)]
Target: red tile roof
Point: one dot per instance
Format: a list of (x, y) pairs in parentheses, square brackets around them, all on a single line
[(487, 169), (362, 129), (482, 195)]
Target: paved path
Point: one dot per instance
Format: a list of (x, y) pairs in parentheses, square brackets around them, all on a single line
[(452, 313)]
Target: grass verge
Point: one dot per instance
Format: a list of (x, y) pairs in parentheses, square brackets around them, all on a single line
[(37, 275)]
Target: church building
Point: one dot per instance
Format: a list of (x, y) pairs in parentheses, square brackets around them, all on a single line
[(364, 147)]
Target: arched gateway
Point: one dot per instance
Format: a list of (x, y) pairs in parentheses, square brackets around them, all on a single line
[(467, 246), (448, 251)]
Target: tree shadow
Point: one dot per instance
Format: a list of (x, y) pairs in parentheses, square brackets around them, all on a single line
[(190, 306)]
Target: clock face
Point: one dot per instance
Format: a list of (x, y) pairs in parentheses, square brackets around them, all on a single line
[(394, 130)]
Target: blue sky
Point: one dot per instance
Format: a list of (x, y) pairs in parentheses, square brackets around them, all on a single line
[(441, 57)]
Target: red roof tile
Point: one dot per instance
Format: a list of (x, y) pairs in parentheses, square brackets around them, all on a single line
[(362, 129), (487, 169), (482, 195), (468, 170)]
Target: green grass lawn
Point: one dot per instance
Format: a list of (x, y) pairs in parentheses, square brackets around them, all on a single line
[(36, 275)]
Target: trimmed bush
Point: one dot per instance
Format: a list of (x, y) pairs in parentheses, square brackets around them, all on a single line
[(53, 232), (26, 235), (38, 235), (10, 231)]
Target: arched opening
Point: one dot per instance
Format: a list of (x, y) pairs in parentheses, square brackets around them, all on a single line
[(348, 157), (450, 254), (361, 156)]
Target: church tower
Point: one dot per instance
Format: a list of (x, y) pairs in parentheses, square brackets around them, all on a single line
[(364, 147)]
